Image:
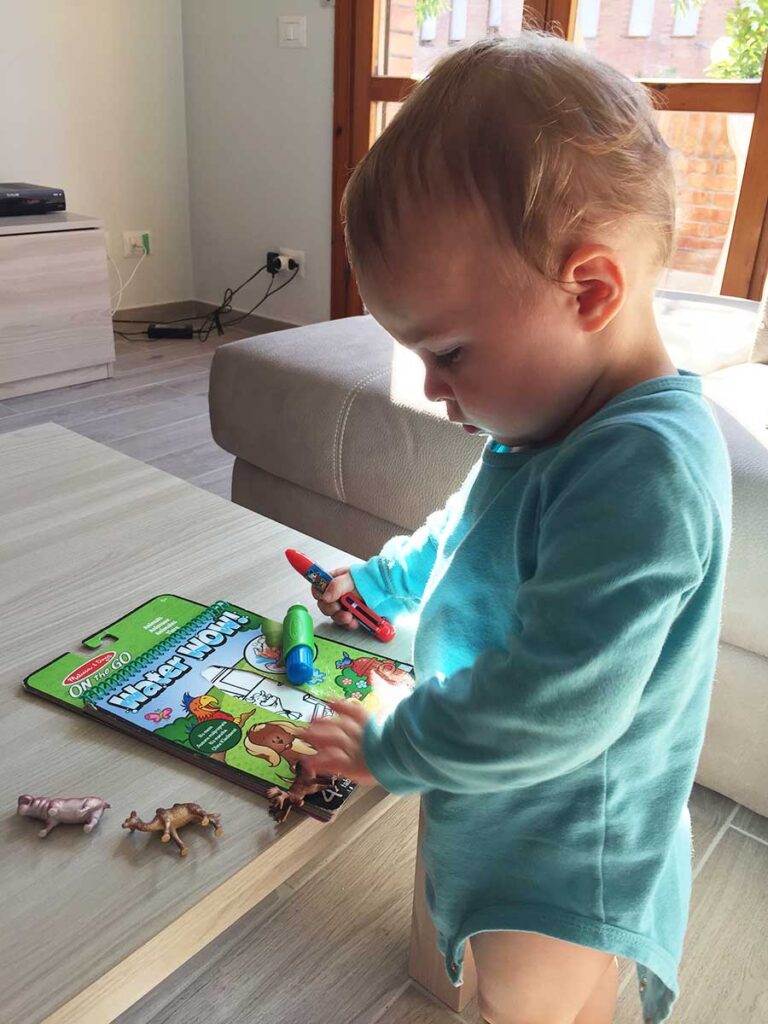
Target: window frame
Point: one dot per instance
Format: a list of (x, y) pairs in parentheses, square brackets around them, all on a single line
[(357, 90)]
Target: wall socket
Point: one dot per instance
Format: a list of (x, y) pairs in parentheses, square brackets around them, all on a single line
[(135, 243), (295, 254)]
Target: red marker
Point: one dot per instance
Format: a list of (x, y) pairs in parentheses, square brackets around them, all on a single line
[(381, 628)]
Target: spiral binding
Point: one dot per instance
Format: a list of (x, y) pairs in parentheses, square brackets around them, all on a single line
[(172, 641)]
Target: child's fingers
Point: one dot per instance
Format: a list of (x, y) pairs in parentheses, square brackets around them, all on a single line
[(345, 619), (349, 709), (337, 613), (341, 584), (332, 761), (328, 599), (323, 734), (320, 595)]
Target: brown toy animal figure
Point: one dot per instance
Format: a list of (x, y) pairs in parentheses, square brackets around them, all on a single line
[(305, 784), (168, 819), (66, 810), (273, 741)]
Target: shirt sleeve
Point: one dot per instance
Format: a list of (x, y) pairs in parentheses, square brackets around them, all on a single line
[(623, 540), (393, 582)]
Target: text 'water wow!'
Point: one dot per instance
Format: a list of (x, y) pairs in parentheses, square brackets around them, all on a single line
[(298, 645)]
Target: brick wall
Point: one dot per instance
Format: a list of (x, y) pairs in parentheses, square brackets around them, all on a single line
[(659, 55), (706, 175), (401, 38)]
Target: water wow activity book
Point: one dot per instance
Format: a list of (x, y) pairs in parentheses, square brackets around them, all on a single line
[(208, 684)]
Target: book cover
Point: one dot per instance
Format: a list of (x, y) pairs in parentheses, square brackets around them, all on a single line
[(215, 692), (66, 679)]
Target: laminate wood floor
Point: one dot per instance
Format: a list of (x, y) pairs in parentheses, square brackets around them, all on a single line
[(155, 408), (313, 953), (320, 954)]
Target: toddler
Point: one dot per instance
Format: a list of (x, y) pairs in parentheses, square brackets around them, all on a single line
[(509, 227)]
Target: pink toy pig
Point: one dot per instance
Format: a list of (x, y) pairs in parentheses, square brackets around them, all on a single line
[(67, 810)]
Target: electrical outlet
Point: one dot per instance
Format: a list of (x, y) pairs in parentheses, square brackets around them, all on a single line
[(298, 255), (135, 243)]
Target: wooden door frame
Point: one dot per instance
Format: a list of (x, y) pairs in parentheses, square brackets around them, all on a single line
[(357, 88), (352, 114)]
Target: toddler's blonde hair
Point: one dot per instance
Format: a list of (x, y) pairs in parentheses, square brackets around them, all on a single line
[(546, 143)]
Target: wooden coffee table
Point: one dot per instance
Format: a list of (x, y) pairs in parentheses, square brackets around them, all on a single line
[(90, 923)]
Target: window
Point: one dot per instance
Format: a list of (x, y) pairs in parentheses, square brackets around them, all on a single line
[(458, 27), (708, 154), (495, 11), (411, 38), (686, 22), (428, 30), (589, 18), (717, 128), (646, 39), (641, 18)]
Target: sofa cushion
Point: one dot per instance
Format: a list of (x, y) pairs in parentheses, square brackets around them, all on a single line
[(739, 396), (314, 405), (705, 334)]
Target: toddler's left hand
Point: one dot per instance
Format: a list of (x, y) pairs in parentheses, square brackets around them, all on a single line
[(339, 742)]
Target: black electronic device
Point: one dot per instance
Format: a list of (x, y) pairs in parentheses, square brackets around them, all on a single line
[(20, 197), (170, 331)]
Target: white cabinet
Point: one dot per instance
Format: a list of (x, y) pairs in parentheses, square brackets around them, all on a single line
[(55, 320)]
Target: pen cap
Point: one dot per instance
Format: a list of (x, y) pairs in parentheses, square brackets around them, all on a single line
[(300, 665), (297, 630)]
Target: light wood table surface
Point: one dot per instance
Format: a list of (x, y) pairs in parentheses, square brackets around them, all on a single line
[(90, 923)]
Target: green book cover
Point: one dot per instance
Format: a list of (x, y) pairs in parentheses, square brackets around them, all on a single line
[(69, 677), (214, 690)]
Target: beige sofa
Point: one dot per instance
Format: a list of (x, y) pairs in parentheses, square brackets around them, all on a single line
[(332, 435)]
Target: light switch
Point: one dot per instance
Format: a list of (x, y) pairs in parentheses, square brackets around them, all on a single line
[(292, 30)]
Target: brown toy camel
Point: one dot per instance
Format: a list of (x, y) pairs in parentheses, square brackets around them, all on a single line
[(168, 819)]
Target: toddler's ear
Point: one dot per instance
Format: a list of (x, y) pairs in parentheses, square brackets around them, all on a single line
[(594, 275)]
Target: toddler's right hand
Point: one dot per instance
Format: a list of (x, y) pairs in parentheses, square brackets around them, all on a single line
[(328, 601)]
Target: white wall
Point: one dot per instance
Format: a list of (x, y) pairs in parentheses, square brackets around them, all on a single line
[(92, 100), (214, 139), (259, 131)]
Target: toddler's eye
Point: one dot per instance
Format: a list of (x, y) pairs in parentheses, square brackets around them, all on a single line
[(448, 358)]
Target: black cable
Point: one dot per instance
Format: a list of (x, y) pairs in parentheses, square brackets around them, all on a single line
[(228, 296), (213, 319), (267, 294)]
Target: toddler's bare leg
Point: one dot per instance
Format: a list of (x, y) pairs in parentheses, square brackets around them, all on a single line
[(527, 978), (601, 1005)]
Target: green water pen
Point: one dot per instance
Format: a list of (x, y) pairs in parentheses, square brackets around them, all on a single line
[(298, 645)]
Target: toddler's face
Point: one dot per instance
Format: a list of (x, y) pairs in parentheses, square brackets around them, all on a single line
[(506, 358)]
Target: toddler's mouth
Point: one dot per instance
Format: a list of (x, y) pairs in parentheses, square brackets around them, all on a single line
[(469, 427)]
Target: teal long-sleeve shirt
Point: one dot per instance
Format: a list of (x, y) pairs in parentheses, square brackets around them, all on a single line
[(569, 601)]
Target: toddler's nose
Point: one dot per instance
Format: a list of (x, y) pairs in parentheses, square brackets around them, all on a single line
[(436, 390)]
